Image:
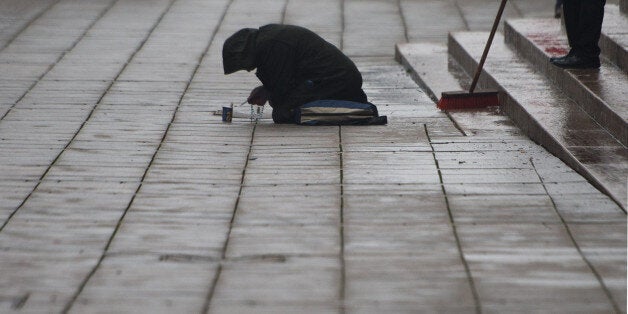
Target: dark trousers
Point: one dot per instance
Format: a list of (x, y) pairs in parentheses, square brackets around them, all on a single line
[(583, 20), (349, 88), (285, 114)]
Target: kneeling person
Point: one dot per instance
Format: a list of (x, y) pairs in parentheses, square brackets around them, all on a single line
[(295, 66)]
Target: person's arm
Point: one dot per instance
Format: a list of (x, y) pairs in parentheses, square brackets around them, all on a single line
[(259, 96)]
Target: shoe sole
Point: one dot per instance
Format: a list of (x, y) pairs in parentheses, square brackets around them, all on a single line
[(579, 66)]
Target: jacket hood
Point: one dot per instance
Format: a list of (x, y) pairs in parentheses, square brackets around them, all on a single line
[(238, 51)]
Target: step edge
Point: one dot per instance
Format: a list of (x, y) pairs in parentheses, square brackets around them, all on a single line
[(592, 103), (528, 124), (611, 49), (401, 59)]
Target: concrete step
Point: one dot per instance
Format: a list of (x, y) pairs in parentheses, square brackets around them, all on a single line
[(435, 71), (548, 115), (428, 65), (614, 37), (602, 93)]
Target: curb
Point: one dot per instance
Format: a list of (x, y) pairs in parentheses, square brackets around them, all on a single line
[(526, 120), (570, 81)]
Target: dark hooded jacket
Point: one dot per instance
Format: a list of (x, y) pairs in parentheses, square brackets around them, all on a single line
[(294, 64)]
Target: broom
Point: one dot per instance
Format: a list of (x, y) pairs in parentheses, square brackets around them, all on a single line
[(464, 100)]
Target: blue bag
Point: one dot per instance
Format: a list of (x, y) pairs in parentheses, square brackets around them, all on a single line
[(338, 112)]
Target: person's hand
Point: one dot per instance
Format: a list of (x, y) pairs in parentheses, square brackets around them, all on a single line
[(259, 96)]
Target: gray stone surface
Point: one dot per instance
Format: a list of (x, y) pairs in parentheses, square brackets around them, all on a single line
[(16, 15), (550, 204), (601, 93), (563, 128), (613, 40), (121, 191)]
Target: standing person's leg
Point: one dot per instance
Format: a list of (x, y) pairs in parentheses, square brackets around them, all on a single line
[(571, 10), (583, 20), (589, 28)]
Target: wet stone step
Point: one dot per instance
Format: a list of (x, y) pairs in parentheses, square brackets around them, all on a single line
[(547, 114), (601, 93), (426, 62), (614, 38)]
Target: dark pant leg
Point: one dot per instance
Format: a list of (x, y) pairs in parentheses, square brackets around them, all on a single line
[(282, 114), (571, 13), (343, 90), (591, 18), (583, 20)]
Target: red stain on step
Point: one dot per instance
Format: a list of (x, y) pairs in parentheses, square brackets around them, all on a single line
[(556, 51), (550, 43)]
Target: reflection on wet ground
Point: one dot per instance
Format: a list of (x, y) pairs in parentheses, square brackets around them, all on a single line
[(566, 128)]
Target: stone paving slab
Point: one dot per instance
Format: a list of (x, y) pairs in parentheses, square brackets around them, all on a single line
[(15, 15), (177, 288), (550, 207)]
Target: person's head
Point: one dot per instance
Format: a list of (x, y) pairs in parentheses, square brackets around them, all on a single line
[(238, 51)]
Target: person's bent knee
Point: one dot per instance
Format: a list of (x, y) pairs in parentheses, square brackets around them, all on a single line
[(283, 116)]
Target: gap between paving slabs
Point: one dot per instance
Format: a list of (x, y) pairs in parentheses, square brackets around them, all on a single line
[(427, 68), (426, 62)]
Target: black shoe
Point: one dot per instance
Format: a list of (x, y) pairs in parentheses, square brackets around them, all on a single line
[(577, 62), (554, 59)]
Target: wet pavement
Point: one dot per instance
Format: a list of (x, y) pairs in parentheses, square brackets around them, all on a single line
[(613, 41), (553, 116), (122, 192), (602, 93)]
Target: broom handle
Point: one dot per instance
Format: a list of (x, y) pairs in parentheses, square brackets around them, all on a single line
[(476, 77)]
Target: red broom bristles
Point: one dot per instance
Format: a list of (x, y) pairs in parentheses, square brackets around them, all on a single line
[(464, 100)]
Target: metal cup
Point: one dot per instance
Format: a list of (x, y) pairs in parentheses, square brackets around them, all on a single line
[(227, 114)]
